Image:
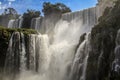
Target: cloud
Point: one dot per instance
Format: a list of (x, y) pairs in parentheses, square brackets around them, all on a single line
[(0, 3), (11, 0), (9, 3), (2, 7)]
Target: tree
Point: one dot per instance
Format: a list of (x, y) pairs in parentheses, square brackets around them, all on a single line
[(49, 8), (10, 11), (28, 16), (63, 8)]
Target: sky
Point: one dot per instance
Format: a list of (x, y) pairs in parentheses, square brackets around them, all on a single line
[(22, 5)]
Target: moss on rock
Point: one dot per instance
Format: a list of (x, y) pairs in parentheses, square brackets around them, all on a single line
[(5, 34)]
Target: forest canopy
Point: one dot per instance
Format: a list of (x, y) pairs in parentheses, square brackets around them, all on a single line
[(48, 9), (54, 8)]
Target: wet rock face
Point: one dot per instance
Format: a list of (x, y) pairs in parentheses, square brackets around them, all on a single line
[(102, 4), (103, 61), (99, 60), (117, 49), (116, 62), (118, 38)]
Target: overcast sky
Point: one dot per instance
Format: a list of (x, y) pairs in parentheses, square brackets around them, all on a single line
[(22, 5)]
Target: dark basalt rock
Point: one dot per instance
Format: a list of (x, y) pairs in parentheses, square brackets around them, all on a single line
[(103, 42)]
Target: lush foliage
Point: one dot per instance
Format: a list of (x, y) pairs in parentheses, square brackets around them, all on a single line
[(49, 8), (27, 16), (5, 34), (9, 13), (11, 30)]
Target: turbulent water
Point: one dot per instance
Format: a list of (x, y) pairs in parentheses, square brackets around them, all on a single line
[(78, 69), (54, 55)]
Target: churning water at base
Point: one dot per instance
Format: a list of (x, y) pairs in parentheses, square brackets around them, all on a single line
[(56, 56), (42, 60)]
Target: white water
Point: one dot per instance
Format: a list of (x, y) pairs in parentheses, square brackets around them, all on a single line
[(20, 21), (15, 55), (15, 23), (78, 70), (56, 58), (32, 52), (11, 52), (22, 54), (52, 56), (11, 23), (36, 23)]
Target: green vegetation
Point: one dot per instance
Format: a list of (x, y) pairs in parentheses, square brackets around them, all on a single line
[(8, 14), (5, 34), (10, 11), (24, 31), (49, 8), (28, 16), (103, 37)]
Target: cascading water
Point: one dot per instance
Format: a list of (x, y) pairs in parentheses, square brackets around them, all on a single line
[(52, 56), (22, 53), (17, 23), (78, 69), (15, 57), (20, 21), (36, 23), (11, 23), (87, 17), (31, 51)]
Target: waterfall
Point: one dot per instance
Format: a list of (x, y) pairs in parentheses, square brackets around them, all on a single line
[(16, 23), (13, 53), (11, 23), (20, 21), (36, 23), (52, 55), (87, 17), (78, 69), (22, 53), (53, 60), (44, 58), (15, 57), (37, 52), (32, 53)]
